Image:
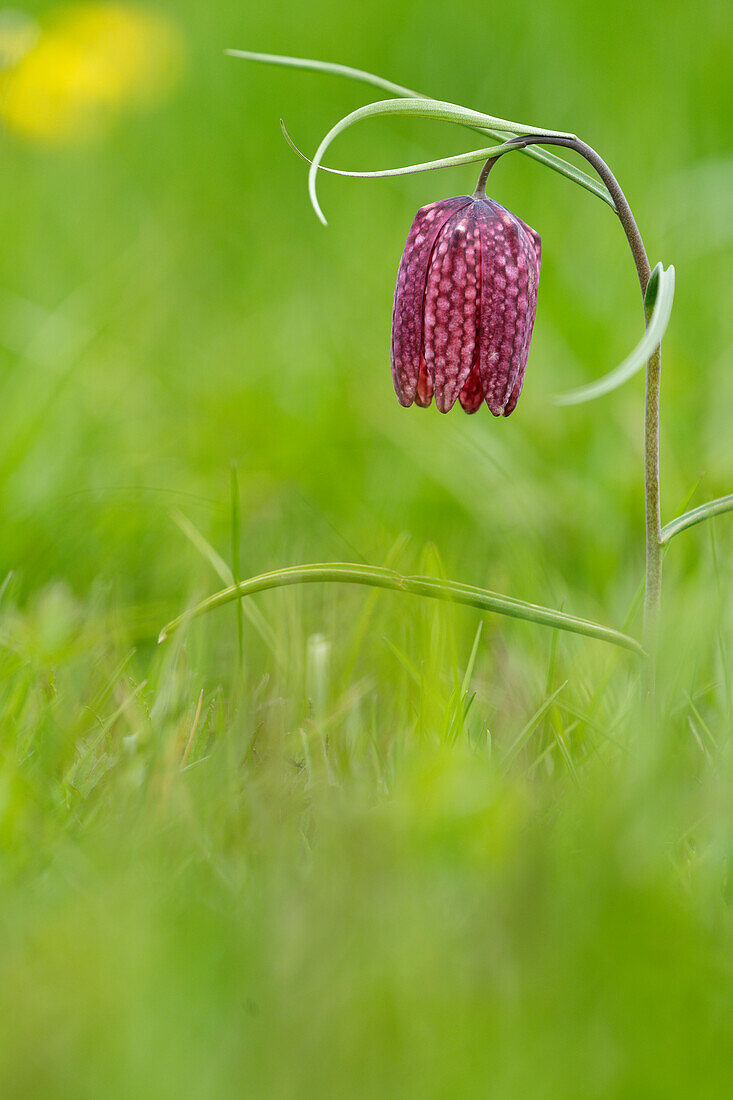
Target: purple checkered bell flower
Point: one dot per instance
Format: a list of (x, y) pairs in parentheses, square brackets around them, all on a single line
[(464, 305)]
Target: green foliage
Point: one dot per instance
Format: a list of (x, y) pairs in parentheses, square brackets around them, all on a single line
[(558, 164), (419, 108), (658, 304), (375, 856), (428, 587)]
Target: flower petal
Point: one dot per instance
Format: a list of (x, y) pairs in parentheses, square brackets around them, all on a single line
[(509, 277), (450, 326), (527, 307), (407, 314), (424, 391), (472, 394)]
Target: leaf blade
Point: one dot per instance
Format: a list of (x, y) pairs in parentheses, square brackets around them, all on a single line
[(438, 109), (471, 157), (697, 515), (332, 67), (550, 160), (637, 359), (432, 587), (523, 737)]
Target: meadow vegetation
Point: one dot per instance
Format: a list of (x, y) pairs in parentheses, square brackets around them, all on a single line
[(347, 842)]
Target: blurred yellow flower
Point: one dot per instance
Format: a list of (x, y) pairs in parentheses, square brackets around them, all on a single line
[(93, 62), (18, 34)]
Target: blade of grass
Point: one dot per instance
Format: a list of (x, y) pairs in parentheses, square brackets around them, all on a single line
[(464, 701), (6, 583), (703, 723), (220, 567), (471, 661), (722, 645), (584, 719), (108, 687), (205, 549), (235, 524), (559, 733), (405, 661), (550, 681), (522, 738), (362, 623), (192, 734)]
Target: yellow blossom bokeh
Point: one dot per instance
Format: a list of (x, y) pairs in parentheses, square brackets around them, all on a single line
[(18, 35), (90, 64)]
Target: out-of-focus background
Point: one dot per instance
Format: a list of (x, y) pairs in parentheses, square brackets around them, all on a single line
[(343, 893)]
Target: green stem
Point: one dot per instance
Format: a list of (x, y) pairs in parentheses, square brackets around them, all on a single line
[(652, 510)]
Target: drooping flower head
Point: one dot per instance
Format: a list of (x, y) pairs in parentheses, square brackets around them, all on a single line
[(464, 306)]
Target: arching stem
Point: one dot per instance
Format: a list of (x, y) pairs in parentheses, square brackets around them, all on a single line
[(480, 192), (653, 572)]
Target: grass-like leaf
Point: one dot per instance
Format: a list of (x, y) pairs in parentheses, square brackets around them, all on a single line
[(332, 67), (5, 584), (235, 525), (421, 108), (660, 296), (220, 567), (378, 577), (474, 156), (522, 738), (463, 699), (697, 515), (550, 160)]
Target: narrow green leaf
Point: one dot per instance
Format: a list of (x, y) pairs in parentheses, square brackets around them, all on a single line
[(405, 661), (421, 108), (652, 338), (326, 67), (472, 157), (471, 661), (5, 584), (522, 738), (378, 577), (236, 524), (585, 719), (463, 701), (722, 643), (361, 625), (550, 160), (559, 734), (697, 515), (220, 567), (703, 723), (204, 547)]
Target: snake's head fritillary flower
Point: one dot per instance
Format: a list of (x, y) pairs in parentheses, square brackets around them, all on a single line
[(464, 306)]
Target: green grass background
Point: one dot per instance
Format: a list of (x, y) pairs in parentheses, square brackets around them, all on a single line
[(350, 890)]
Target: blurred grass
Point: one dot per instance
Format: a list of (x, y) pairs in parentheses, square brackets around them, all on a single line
[(346, 891)]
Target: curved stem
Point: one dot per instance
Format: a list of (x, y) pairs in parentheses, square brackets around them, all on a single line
[(480, 192), (653, 523)]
